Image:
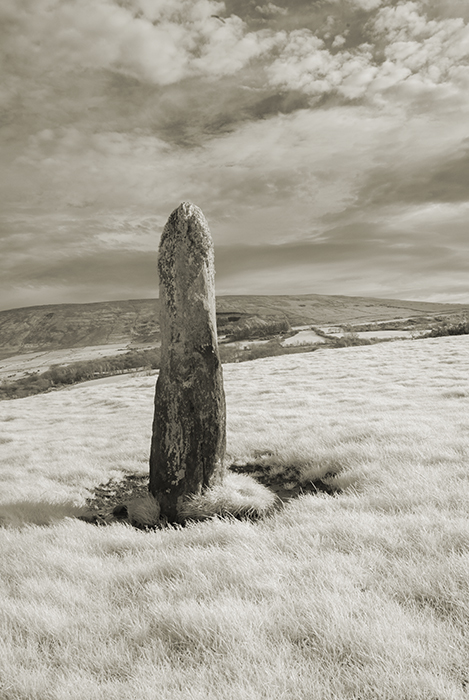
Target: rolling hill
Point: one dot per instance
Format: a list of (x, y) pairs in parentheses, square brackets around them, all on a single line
[(135, 323)]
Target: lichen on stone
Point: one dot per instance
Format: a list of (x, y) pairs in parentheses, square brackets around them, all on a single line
[(186, 228)]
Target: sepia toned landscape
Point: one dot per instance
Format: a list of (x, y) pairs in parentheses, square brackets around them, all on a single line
[(234, 350)]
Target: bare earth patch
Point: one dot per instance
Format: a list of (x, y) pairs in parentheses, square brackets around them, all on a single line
[(250, 490)]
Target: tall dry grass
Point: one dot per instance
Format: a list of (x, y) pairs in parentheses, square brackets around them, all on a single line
[(361, 596)]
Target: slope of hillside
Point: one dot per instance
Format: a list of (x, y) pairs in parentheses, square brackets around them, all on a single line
[(57, 326), (135, 322), (321, 309)]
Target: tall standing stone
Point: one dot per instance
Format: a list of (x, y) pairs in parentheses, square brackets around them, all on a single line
[(189, 427)]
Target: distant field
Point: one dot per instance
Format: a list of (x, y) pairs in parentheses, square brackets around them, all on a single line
[(385, 334), (364, 595), (302, 337), (17, 366)]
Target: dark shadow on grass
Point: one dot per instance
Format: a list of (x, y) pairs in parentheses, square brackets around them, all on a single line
[(288, 485), (109, 501), (19, 513)]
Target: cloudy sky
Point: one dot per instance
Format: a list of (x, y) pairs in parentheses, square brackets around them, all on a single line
[(326, 141)]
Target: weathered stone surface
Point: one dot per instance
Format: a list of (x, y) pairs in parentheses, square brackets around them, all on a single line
[(189, 427)]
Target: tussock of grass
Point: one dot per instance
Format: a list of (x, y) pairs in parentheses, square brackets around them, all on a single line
[(144, 511), (239, 496)]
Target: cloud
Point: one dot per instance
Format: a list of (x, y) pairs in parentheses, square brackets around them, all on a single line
[(431, 47), (428, 54), (339, 40), (160, 43), (229, 48), (67, 167), (274, 180), (398, 255), (367, 5), (86, 272), (305, 64), (438, 176), (284, 156), (421, 56), (271, 9)]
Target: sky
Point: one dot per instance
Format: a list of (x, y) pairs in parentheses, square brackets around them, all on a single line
[(326, 142)]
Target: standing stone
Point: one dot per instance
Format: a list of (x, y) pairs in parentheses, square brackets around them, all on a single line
[(189, 427)]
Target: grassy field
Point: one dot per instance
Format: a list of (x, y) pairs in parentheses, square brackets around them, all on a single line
[(363, 595)]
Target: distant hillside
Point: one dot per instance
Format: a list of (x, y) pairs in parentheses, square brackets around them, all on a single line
[(57, 326), (135, 322)]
